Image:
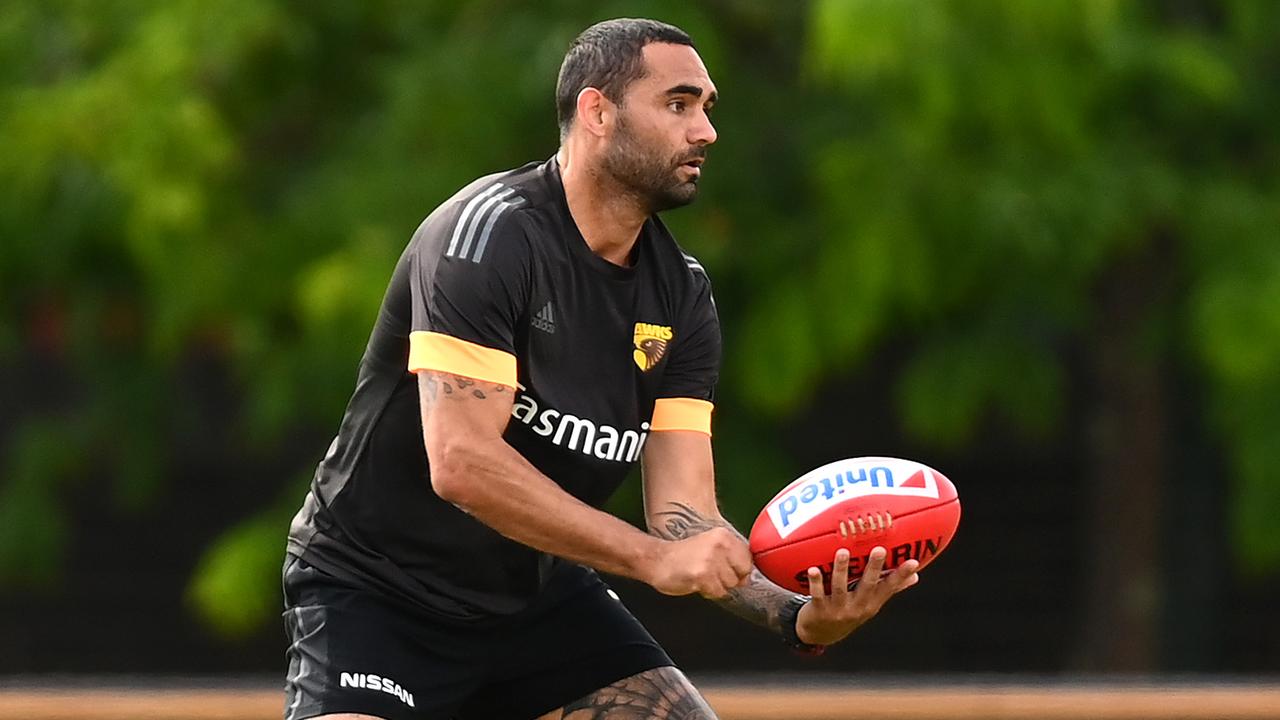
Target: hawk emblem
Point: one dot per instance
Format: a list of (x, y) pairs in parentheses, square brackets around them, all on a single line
[(650, 345)]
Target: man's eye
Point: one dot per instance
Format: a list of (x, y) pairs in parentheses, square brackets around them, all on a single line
[(676, 105)]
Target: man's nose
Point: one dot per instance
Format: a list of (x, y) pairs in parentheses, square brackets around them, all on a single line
[(703, 133)]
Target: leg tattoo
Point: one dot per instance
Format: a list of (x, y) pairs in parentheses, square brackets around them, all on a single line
[(658, 694)]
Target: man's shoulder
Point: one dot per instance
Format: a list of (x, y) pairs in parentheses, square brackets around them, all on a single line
[(672, 259), (524, 187), (465, 225)]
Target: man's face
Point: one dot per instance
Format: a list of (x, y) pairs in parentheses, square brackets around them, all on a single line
[(663, 128)]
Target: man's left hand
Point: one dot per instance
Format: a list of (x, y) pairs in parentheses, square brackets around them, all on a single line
[(829, 618)]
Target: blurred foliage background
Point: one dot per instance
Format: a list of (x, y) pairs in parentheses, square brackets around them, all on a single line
[(990, 235)]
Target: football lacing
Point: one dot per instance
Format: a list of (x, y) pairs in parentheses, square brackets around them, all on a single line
[(867, 523)]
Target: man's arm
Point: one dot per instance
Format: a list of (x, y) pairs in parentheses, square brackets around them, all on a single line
[(474, 468), (757, 600), (680, 502), (679, 487)]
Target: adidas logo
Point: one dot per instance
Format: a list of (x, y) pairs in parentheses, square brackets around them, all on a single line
[(545, 319)]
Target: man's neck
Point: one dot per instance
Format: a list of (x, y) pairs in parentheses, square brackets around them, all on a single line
[(608, 216)]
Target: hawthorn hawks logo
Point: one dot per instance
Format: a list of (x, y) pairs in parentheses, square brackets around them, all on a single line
[(651, 344)]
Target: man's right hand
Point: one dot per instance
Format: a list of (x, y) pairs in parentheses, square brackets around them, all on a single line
[(710, 564)]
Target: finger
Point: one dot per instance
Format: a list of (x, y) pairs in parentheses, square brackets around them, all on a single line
[(713, 590), (729, 577), (713, 594), (875, 565), (816, 590), (840, 573), (901, 582), (898, 587), (740, 559)]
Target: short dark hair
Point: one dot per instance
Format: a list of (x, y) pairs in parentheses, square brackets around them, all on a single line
[(608, 56)]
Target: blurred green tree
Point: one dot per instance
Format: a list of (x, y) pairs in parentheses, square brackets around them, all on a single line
[(1006, 185), (1017, 184)]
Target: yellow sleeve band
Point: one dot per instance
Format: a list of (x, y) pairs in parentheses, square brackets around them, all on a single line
[(682, 414), (445, 353)]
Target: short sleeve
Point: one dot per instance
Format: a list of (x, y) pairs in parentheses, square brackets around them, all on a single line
[(687, 394), (469, 280)]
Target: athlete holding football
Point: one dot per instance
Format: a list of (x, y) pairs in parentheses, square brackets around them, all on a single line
[(541, 332)]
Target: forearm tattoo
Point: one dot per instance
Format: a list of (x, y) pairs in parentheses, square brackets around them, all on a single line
[(661, 693), (758, 600), (457, 387), (681, 521)]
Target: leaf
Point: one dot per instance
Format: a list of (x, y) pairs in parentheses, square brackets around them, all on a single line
[(235, 586), (34, 530)]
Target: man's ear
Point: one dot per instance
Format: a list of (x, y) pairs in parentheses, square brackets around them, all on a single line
[(595, 112)]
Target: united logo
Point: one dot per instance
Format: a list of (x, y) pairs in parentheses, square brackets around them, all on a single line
[(651, 344)]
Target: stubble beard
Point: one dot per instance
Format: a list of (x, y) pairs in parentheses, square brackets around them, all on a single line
[(652, 180)]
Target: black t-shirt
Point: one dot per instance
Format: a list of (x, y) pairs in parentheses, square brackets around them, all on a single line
[(498, 284)]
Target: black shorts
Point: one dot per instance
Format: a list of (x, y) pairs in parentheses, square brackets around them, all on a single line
[(352, 651)]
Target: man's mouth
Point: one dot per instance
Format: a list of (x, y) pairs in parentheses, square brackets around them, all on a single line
[(694, 165)]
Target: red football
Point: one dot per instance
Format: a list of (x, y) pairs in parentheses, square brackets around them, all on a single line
[(910, 509)]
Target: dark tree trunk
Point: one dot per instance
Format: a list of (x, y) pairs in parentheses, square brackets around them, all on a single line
[(1126, 455)]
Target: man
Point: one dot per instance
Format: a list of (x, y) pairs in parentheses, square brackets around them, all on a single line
[(541, 333)]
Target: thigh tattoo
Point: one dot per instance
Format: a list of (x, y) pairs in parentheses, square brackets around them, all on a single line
[(662, 694)]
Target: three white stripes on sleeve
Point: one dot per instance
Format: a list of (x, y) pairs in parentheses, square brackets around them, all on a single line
[(481, 214), (477, 221)]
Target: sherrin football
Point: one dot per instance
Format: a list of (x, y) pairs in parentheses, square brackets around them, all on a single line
[(910, 509)]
